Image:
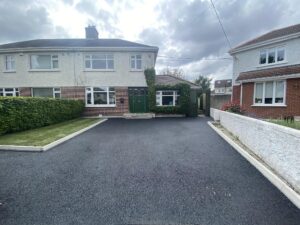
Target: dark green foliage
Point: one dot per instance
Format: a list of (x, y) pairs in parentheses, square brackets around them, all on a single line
[(184, 106), (23, 113)]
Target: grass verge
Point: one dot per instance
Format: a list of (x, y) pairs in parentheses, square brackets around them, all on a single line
[(295, 124), (45, 135)]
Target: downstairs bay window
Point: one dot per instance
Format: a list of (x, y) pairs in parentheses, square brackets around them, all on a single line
[(167, 98), (270, 93), (9, 92), (100, 96)]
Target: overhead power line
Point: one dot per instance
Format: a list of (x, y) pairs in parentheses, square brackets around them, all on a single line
[(220, 22)]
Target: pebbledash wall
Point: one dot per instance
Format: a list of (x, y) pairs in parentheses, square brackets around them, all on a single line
[(277, 145), (292, 103)]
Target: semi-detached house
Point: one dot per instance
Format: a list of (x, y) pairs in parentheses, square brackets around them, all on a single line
[(266, 74), (101, 72)]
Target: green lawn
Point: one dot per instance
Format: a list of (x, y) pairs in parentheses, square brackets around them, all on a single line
[(45, 135), (295, 125)]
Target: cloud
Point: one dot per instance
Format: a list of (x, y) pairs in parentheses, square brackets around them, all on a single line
[(27, 21)]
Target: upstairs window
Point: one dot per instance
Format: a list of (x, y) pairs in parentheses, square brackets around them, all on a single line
[(99, 62), (5, 92), (136, 62), (167, 98), (43, 62), (46, 92), (272, 56), (269, 93), (10, 64)]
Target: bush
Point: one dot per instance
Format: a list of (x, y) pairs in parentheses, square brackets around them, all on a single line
[(233, 107), (24, 113)]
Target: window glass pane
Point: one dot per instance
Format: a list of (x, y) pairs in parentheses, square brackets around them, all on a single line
[(177, 100), (279, 92), (139, 64), (167, 92), (87, 64), (57, 95), (258, 92), (40, 62), (89, 98), (112, 98), (138, 57), (87, 57), (99, 64), (167, 100), (280, 55), (132, 64), (263, 57), (55, 64), (157, 99), (100, 98), (9, 89), (100, 56), (271, 57), (111, 89), (110, 64), (9, 94), (110, 57), (42, 92), (269, 93), (100, 89)]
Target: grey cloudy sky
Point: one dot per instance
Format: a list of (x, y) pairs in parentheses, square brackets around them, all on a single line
[(186, 31)]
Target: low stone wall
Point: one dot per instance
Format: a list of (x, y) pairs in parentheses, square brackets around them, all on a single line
[(277, 145)]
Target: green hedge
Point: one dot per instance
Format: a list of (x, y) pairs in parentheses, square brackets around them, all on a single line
[(23, 113)]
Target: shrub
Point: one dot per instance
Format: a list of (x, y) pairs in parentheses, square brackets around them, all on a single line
[(23, 113), (234, 107)]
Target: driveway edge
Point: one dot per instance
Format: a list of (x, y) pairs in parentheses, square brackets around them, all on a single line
[(50, 145), (293, 196)]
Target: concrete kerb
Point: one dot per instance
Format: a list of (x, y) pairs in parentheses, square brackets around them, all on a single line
[(292, 195), (48, 146)]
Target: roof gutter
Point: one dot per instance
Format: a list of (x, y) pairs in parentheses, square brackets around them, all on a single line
[(282, 77)]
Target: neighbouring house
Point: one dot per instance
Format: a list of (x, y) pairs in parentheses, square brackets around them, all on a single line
[(221, 93), (266, 74), (101, 72)]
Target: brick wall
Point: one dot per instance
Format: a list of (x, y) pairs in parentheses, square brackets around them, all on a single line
[(25, 91), (236, 93), (119, 110), (292, 102), (73, 93)]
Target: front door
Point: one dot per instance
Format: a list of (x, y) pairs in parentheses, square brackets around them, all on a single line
[(138, 100)]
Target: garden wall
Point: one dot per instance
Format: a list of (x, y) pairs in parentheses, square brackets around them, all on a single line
[(277, 145)]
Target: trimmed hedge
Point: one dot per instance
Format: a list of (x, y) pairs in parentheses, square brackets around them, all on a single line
[(24, 113)]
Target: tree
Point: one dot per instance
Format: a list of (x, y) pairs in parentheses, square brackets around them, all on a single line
[(176, 72), (204, 83)]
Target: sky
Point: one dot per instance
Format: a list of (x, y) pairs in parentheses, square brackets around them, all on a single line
[(187, 32)]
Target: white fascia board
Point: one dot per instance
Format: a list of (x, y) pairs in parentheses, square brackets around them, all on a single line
[(263, 43), (80, 49)]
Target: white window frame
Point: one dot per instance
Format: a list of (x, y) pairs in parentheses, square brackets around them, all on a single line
[(273, 96), (134, 58), (90, 56), (54, 57), (15, 92), (159, 96), (267, 50), (9, 59), (55, 90), (90, 90)]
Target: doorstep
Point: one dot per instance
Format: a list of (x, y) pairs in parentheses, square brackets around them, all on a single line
[(50, 145), (138, 115)]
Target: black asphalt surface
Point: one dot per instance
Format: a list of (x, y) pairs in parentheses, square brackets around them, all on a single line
[(158, 172)]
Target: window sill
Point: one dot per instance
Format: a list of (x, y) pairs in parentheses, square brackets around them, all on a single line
[(98, 70), (272, 64), (44, 70), (133, 70), (9, 71), (100, 106), (269, 105)]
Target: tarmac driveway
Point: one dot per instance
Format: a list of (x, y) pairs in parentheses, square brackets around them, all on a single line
[(160, 171)]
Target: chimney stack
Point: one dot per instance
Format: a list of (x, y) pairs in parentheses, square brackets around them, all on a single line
[(91, 32)]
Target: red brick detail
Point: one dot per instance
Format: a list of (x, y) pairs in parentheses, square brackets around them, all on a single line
[(25, 91), (119, 110), (73, 93), (236, 93), (292, 102)]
